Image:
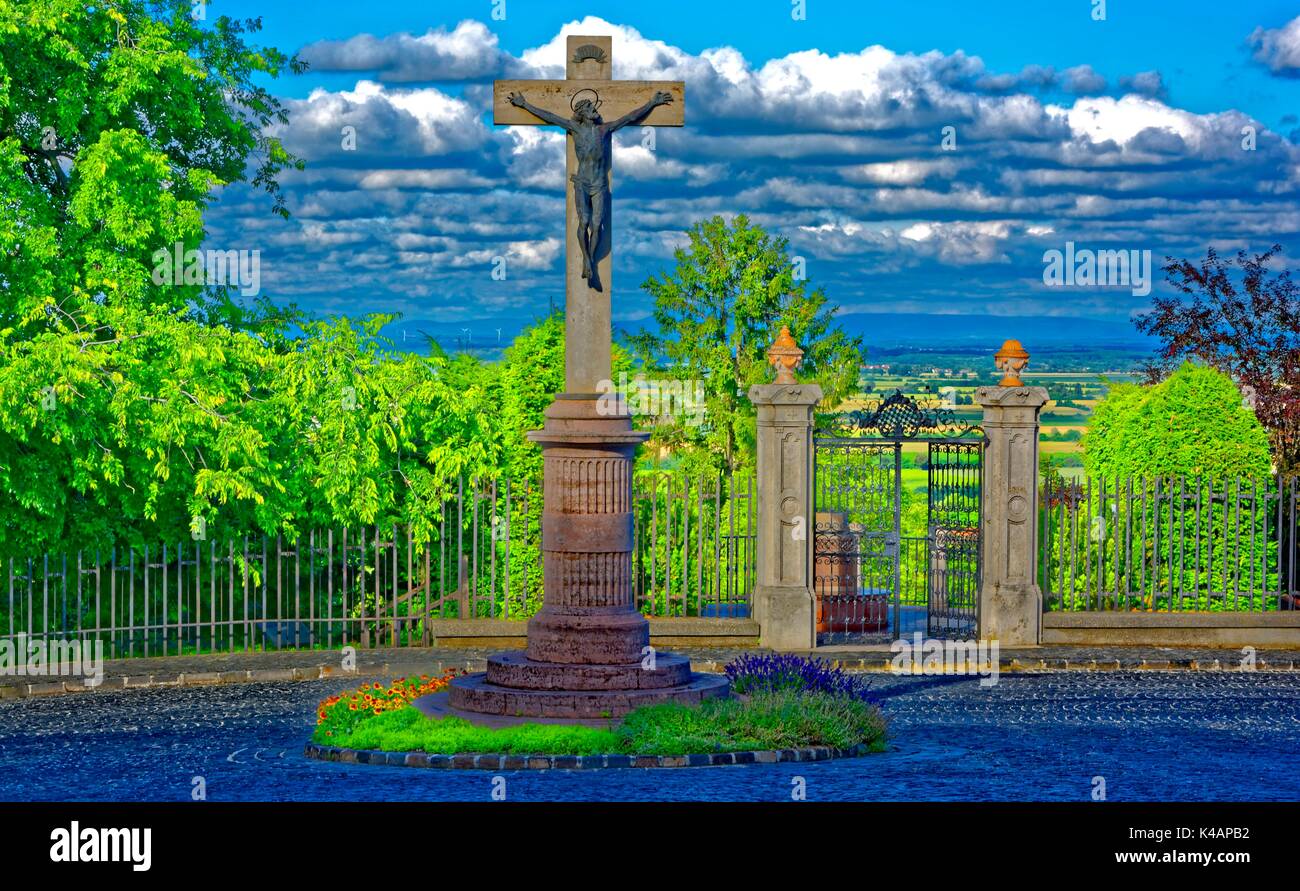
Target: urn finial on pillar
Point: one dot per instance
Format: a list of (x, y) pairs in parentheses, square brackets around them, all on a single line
[(1011, 359), (785, 356)]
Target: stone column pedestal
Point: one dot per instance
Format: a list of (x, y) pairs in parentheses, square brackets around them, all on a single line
[(588, 657), (784, 605), (1010, 607), (587, 542)]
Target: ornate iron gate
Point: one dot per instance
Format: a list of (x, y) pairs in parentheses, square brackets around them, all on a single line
[(873, 581), (955, 475)]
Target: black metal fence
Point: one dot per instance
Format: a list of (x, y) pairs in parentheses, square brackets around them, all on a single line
[(693, 556), (1169, 544)]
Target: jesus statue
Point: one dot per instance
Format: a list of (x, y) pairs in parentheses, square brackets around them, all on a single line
[(592, 147)]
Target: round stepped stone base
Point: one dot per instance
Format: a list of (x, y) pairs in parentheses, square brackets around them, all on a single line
[(517, 671), (476, 693)]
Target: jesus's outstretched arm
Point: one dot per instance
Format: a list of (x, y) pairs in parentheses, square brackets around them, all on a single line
[(638, 114), (518, 100)]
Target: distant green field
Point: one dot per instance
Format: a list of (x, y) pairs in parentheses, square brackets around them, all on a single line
[(1074, 396), (929, 376)]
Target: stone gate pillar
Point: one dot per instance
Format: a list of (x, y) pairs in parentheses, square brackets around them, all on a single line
[(783, 603), (1010, 605)]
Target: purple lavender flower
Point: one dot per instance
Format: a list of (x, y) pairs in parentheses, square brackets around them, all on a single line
[(751, 673)]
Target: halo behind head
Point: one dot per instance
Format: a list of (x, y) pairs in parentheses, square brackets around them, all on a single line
[(573, 100)]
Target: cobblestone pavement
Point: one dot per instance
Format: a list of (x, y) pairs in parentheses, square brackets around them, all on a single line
[(316, 664), (1150, 735)]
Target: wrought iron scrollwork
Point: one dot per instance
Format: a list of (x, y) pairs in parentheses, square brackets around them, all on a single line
[(899, 417)]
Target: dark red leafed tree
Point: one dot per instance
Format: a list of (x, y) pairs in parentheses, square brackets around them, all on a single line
[(1241, 316)]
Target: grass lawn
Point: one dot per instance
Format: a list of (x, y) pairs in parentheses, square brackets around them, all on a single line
[(769, 720), (784, 702)]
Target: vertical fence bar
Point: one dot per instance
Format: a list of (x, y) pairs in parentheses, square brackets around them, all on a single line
[(147, 626), (1236, 543), (427, 631), (686, 544), (112, 605), (474, 550), (212, 596), (442, 559), (509, 542), (329, 587), (393, 633), (1196, 563), (1121, 541), (718, 540), (1291, 542), (528, 488), (699, 545), (163, 615), (1182, 539), (1281, 534), (1254, 520), (654, 531), (751, 539), (460, 547), (1063, 539), (1074, 552), (492, 543)]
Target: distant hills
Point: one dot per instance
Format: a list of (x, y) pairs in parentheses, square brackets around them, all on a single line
[(883, 330)]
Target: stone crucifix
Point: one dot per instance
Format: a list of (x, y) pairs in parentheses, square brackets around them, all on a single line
[(587, 650), (590, 106)]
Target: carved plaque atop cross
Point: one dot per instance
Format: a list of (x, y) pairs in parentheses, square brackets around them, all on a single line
[(590, 106)]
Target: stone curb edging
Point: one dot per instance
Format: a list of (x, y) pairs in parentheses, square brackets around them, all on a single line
[(200, 679), (576, 762)]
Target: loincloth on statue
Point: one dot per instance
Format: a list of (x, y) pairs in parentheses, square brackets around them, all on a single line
[(593, 189)]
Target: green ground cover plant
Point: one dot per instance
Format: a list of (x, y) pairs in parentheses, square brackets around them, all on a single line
[(775, 720), (782, 702)]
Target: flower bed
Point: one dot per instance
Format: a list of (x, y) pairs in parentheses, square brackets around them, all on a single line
[(339, 716), (785, 703), (770, 673)]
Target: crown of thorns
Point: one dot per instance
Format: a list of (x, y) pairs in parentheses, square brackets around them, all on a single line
[(573, 101)]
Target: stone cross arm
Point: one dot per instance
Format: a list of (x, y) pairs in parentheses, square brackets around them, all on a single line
[(617, 98)]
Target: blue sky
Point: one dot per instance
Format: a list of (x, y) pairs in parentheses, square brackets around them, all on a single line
[(1122, 134)]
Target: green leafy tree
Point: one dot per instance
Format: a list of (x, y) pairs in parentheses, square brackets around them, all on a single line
[(1237, 315), (530, 373), (1192, 423), (1180, 462), (117, 121), (134, 409), (718, 311)]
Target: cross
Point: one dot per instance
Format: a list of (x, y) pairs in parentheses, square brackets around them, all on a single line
[(590, 106)]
